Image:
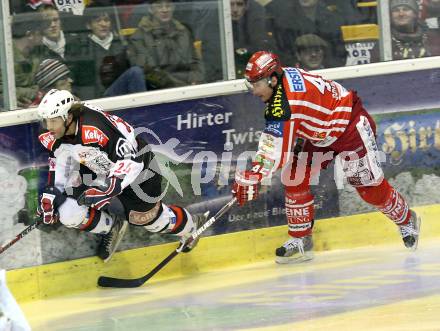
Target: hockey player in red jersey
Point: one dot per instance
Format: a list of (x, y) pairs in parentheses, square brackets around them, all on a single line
[(310, 120), (93, 158)]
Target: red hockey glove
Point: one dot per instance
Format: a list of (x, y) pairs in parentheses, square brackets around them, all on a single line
[(247, 184), (50, 200), (98, 197)]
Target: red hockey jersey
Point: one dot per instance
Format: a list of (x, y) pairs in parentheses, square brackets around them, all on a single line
[(304, 106)]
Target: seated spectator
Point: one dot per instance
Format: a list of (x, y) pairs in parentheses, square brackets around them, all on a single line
[(100, 65), (53, 36), (27, 37), (23, 6), (347, 8), (249, 31), (164, 47), (52, 74), (430, 14), (311, 51), (430, 8), (410, 39), (294, 18)]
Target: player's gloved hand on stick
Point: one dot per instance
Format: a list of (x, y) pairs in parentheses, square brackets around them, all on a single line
[(50, 199), (98, 197), (247, 184)]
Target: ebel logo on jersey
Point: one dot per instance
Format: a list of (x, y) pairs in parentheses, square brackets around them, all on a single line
[(295, 80), (47, 139), (93, 135), (275, 128), (125, 149)]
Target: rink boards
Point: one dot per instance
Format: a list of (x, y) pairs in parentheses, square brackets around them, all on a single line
[(59, 262), (212, 253)]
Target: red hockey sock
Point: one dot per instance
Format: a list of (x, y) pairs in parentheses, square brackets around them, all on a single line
[(388, 200), (181, 219), (300, 213)]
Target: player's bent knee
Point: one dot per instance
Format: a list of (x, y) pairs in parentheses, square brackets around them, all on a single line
[(72, 215), (374, 194), (147, 218)]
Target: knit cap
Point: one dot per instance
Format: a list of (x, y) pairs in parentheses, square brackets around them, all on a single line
[(49, 72), (409, 3)]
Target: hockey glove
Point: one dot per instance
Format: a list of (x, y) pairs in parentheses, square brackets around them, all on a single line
[(99, 197), (50, 200), (247, 184)]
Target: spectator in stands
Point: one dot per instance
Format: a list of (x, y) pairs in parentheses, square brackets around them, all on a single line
[(52, 74), (164, 47), (311, 51), (430, 8), (410, 38), (101, 66), (249, 31), (27, 36), (291, 19), (53, 36), (23, 6), (430, 13)]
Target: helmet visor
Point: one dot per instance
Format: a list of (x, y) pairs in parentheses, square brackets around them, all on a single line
[(52, 124), (257, 84)]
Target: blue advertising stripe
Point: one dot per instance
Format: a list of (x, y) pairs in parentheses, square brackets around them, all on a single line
[(410, 139)]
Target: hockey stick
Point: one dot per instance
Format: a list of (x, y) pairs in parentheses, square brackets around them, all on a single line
[(20, 235), (104, 281)]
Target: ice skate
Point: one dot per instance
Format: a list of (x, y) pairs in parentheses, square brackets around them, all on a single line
[(410, 231), (295, 250), (110, 241), (198, 220)]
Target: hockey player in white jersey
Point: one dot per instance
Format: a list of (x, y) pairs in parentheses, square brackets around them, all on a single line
[(93, 158)]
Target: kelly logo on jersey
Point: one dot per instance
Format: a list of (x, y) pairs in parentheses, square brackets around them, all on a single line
[(92, 135), (47, 139), (295, 80)]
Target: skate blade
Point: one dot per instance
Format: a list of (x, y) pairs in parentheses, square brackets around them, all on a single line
[(294, 259), (418, 225), (120, 236)]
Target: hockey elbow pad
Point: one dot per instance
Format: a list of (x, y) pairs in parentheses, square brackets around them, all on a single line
[(100, 196)]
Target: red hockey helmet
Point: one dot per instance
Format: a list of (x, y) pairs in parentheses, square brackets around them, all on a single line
[(262, 64)]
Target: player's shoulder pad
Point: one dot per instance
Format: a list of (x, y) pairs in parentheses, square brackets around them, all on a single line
[(48, 140), (94, 128), (278, 109)]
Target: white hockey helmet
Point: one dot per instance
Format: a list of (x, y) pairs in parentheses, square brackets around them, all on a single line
[(55, 103)]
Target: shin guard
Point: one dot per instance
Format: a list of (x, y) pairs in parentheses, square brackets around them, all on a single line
[(184, 221), (299, 212), (97, 221), (168, 219), (388, 200)]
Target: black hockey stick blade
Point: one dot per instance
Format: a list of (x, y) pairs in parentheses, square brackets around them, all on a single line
[(104, 281)]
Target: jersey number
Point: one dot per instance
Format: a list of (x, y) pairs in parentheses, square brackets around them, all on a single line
[(123, 168), (319, 83), (336, 89)]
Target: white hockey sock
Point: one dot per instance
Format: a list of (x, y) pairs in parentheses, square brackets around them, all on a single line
[(102, 224), (173, 219)]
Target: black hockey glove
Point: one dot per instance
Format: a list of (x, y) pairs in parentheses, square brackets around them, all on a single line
[(50, 199), (99, 197)]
